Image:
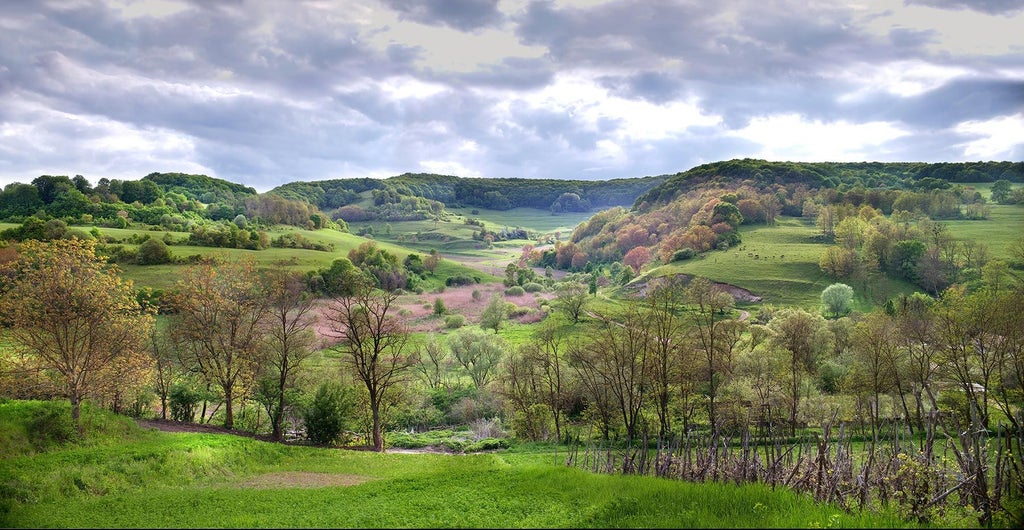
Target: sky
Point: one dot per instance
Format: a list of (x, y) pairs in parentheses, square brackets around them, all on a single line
[(267, 92)]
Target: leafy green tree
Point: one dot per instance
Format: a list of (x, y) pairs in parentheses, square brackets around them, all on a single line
[(478, 353), (571, 297), (494, 314), (803, 337), (1001, 191), (154, 252), (837, 299), (217, 324), (326, 416), (75, 314)]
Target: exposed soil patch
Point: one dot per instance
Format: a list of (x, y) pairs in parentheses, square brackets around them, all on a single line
[(302, 479), (738, 293)]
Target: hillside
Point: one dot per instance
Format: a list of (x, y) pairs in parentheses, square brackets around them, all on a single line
[(493, 193), (763, 174)]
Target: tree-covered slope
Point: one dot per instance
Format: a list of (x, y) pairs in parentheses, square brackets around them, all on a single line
[(763, 173), (494, 193)]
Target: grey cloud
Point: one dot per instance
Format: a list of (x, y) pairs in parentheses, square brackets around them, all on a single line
[(992, 7), (656, 87), (516, 73), (959, 100), (464, 15)]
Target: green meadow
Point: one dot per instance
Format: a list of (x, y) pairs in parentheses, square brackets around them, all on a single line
[(129, 477), (780, 264)]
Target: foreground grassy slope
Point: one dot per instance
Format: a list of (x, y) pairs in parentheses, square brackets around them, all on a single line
[(128, 477)]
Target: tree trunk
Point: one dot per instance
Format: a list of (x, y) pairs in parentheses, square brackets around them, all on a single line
[(76, 412), (378, 438), (229, 413)]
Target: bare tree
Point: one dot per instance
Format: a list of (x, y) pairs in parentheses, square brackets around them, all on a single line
[(289, 338), (615, 360), (74, 313), (708, 304), (217, 324), (549, 357), (667, 345), (373, 342)]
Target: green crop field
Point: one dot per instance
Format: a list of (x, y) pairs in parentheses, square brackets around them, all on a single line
[(129, 477)]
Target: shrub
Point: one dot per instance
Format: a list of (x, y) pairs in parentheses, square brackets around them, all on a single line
[(439, 307), (515, 311), (454, 321), (515, 290), (154, 252), (459, 279), (533, 287), (183, 400), (476, 294), (487, 444), (51, 425), (535, 424), (487, 428), (325, 417), (683, 254)]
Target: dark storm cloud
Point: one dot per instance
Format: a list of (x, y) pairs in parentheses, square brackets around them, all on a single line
[(464, 15)]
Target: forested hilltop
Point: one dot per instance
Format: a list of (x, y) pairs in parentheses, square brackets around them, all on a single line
[(492, 193), (900, 175), (882, 217)]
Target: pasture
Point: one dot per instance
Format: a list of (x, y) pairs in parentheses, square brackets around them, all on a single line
[(780, 264)]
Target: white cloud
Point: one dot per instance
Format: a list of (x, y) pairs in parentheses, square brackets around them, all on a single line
[(637, 120), (148, 8), (901, 78), (448, 167), (792, 137), (39, 140), (995, 138)]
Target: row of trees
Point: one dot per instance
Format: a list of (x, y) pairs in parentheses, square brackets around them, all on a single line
[(172, 200), (242, 331)]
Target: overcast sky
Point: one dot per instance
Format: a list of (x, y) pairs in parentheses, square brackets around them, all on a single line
[(263, 92)]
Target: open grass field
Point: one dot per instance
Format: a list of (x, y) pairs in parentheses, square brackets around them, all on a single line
[(1004, 226), (542, 221), (780, 264), (125, 476)]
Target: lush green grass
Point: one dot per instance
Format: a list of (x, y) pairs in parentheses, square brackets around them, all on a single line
[(1004, 226), (151, 479), (529, 218), (780, 264)]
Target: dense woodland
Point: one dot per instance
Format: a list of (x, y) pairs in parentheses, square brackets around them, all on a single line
[(916, 403)]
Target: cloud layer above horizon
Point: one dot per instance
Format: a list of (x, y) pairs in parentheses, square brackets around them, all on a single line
[(266, 92)]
